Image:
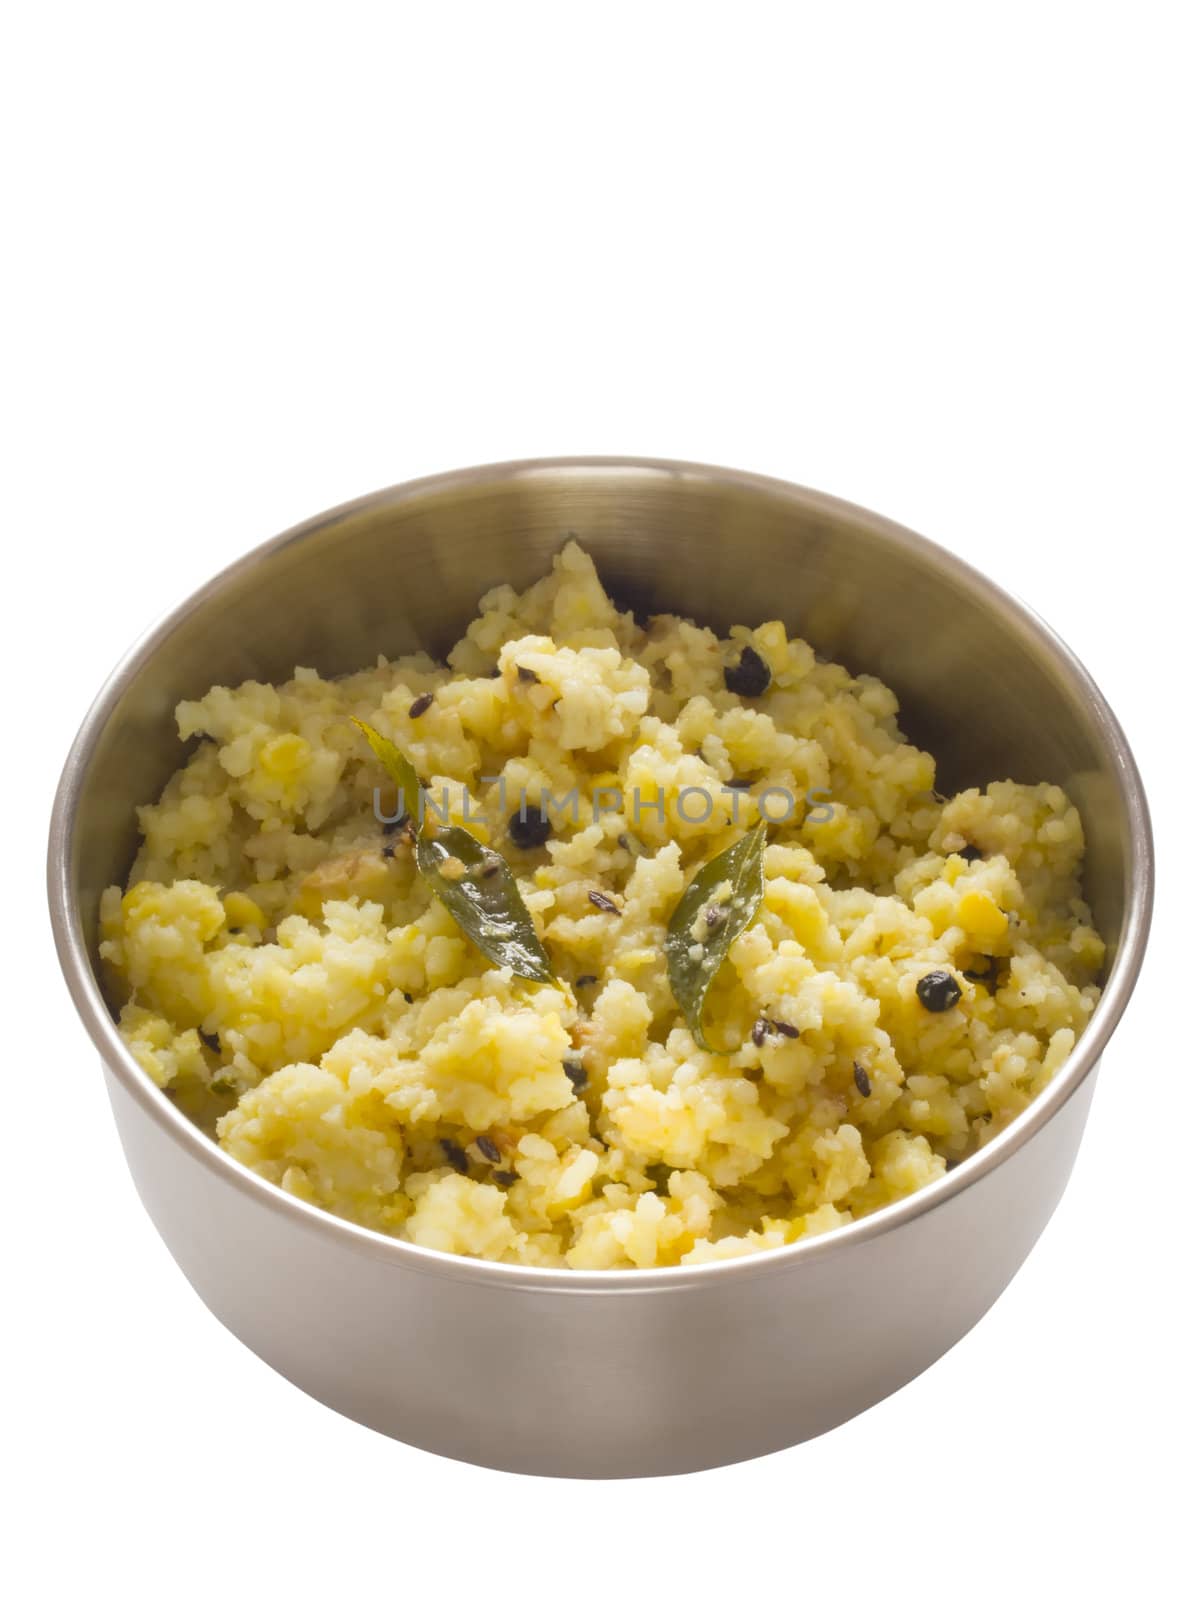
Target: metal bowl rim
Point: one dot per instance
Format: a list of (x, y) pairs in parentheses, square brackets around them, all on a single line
[(89, 1001)]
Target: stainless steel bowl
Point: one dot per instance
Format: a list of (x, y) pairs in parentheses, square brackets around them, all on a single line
[(583, 1373)]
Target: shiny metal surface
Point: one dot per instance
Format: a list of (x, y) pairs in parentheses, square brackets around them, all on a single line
[(608, 1374)]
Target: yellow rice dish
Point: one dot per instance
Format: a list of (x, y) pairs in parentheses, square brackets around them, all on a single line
[(912, 971)]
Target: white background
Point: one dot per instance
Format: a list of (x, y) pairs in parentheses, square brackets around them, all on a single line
[(938, 259)]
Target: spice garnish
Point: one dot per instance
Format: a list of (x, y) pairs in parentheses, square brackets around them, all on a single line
[(970, 852), (488, 909), (455, 1155), (693, 965), (585, 980), (861, 1082), (421, 705), (938, 991), (487, 1148), (751, 677), (765, 1026), (576, 1072), (527, 829), (603, 903), (398, 768), (505, 1179), (486, 905)]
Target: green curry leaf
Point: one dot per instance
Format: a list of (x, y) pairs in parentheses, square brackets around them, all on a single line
[(720, 903), (398, 768), (474, 883), (484, 900)]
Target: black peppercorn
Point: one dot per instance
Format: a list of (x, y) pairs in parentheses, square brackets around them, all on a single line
[(527, 829), (938, 991), (751, 677)]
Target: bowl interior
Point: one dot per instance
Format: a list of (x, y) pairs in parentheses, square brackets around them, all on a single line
[(980, 682)]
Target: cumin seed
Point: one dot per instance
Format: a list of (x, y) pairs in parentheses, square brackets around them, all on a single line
[(455, 1155)]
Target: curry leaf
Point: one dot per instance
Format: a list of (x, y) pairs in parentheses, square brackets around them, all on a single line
[(473, 883), (481, 894), (398, 768), (720, 903)]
